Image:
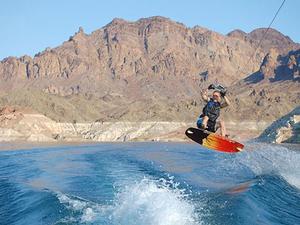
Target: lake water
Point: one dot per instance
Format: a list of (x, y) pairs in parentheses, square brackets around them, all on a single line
[(150, 183)]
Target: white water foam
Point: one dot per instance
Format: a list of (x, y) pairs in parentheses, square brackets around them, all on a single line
[(265, 158), (157, 203), (146, 202), (87, 209)]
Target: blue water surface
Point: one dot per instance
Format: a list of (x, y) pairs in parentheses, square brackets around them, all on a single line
[(150, 183)]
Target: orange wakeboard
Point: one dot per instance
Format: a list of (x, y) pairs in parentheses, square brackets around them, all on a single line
[(213, 141)]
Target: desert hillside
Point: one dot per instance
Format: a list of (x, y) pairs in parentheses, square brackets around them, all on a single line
[(153, 69)]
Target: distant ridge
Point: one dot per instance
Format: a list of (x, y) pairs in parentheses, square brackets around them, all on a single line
[(154, 69)]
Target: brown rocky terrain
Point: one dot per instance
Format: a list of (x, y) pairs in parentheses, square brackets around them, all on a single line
[(153, 70), (271, 39), (272, 91)]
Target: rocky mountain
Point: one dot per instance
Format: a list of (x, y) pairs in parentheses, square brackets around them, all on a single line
[(272, 91), (153, 69), (129, 51), (271, 38)]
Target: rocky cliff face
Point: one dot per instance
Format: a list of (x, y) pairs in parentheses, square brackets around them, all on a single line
[(272, 91), (153, 70), (277, 67), (148, 48)]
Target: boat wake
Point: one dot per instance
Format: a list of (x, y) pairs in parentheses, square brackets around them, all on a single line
[(273, 159), (147, 202), (150, 184)]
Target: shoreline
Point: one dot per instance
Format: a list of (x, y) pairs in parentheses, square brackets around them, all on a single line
[(21, 130), (25, 145)]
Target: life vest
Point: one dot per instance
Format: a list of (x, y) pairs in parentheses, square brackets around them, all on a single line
[(212, 110)]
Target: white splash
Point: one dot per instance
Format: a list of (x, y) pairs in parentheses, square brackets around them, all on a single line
[(147, 202), (87, 210), (151, 202)]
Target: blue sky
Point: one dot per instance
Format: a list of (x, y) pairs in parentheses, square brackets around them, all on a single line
[(30, 26)]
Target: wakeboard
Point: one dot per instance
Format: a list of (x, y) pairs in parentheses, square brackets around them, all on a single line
[(213, 141)]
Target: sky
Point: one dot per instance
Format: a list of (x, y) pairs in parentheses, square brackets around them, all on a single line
[(28, 27)]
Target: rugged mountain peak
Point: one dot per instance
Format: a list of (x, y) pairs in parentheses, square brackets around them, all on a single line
[(25, 59), (272, 39), (237, 34), (80, 30), (156, 19), (142, 22), (78, 35), (152, 58), (200, 30), (117, 21), (260, 32)]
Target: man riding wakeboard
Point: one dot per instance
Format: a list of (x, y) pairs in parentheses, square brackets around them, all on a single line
[(211, 111)]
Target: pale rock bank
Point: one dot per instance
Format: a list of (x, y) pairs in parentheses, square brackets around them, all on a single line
[(284, 130), (39, 128), (290, 132), (34, 127)]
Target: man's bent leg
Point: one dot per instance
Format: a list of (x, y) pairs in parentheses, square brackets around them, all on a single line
[(204, 122), (223, 128)]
